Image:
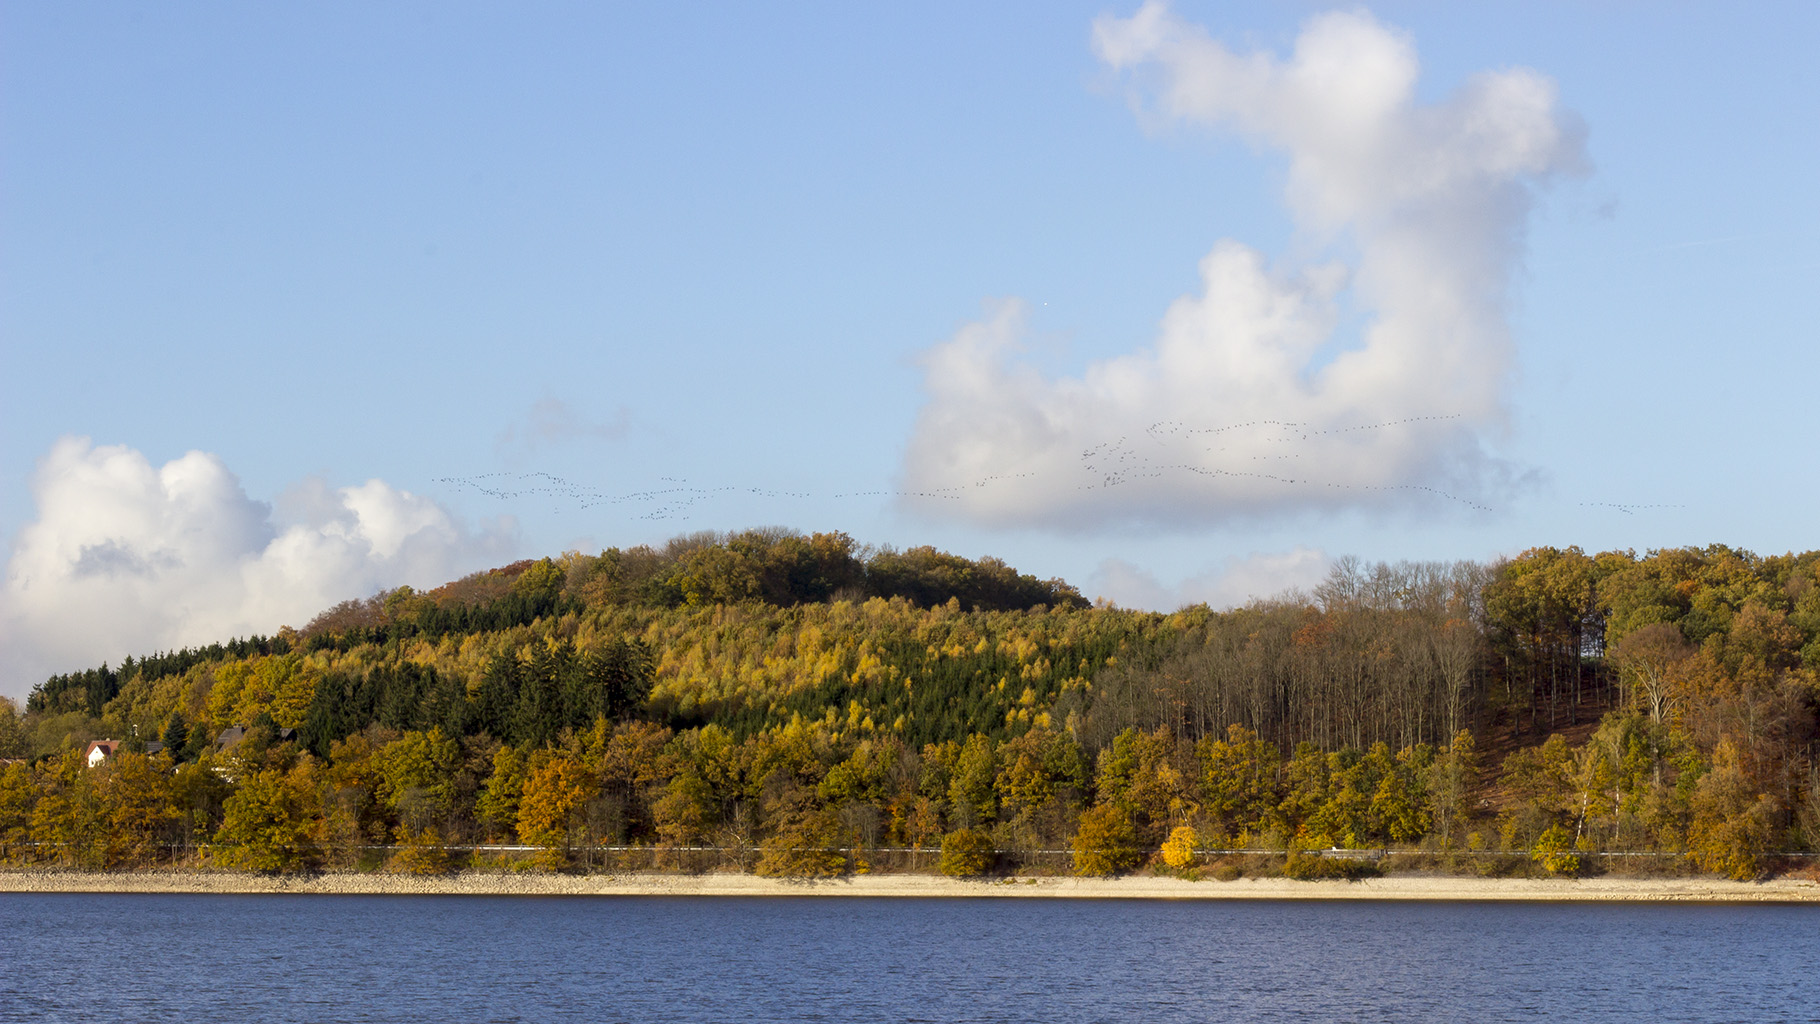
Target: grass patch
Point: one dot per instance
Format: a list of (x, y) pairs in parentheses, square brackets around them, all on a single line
[(1311, 867), (1227, 870)]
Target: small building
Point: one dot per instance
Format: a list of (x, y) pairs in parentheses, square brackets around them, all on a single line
[(231, 737), (99, 751)]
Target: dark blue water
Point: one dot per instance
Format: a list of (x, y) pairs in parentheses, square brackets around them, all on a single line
[(421, 958)]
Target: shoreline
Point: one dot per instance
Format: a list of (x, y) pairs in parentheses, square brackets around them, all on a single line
[(475, 883)]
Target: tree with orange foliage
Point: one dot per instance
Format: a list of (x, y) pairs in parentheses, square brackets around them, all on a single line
[(555, 792)]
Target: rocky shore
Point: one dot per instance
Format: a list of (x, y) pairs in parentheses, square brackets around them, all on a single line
[(475, 883)]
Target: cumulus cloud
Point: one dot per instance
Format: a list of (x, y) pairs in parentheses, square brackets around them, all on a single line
[(1369, 375), (128, 558), (1233, 582)]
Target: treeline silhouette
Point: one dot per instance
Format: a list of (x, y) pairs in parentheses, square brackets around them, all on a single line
[(91, 689), (773, 566)]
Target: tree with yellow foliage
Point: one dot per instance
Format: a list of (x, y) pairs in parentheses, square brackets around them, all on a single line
[(1554, 850), (686, 810), (18, 793), (1734, 825), (421, 852), (966, 853), (1106, 842), (269, 823), (1178, 849), (1450, 788), (134, 794), (66, 821)]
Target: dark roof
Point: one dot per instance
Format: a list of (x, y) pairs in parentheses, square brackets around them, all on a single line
[(234, 734)]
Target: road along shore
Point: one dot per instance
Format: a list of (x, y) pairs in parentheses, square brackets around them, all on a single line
[(476, 883)]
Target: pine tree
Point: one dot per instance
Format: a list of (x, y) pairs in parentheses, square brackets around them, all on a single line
[(176, 735)]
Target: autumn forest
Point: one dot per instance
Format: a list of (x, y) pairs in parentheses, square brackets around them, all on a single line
[(801, 705)]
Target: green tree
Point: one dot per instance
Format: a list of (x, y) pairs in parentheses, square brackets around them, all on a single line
[(1545, 611), (971, 800), (268, 825), (630, 761), (199, 796), (1345, 819), (1239, 779), (1305, 784), (176, 736), (417, 774), (540, 582), (504, 789), (1540, 790), (1037, 767), (1138, 772), (1399, 807), (354, 811)]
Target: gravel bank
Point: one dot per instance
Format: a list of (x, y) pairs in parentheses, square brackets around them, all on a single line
[(1407, 887)]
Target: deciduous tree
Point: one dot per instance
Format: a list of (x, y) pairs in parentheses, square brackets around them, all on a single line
[(269, 824)]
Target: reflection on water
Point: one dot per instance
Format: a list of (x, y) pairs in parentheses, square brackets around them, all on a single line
[(412, 958)]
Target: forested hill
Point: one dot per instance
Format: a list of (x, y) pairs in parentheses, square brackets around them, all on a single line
[(793, 694)]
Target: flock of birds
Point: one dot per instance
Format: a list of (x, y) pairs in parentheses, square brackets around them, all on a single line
[(1116, 463), (1629, 510), (1111, 464), (672, 502)]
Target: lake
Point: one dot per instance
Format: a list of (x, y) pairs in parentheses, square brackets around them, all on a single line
[(464, 958)]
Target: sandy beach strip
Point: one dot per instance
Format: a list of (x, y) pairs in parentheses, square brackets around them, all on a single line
[(474, 883)]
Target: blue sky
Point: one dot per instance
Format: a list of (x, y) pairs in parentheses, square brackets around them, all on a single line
[(369, 262)]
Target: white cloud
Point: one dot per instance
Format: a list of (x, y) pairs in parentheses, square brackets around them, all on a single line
[(125, 558), (1230, 584), (1255, 398)]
